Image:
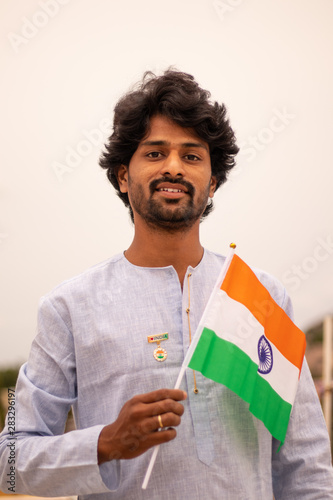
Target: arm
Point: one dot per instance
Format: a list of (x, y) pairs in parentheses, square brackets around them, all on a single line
[(48, 462), (302, 469)]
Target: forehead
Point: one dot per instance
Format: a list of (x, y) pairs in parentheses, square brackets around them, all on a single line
[(162, 128)]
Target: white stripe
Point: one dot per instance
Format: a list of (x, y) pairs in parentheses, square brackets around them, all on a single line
[(232, 321)]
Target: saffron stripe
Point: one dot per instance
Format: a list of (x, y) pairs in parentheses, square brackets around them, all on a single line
[(279, 328), (226, 364)]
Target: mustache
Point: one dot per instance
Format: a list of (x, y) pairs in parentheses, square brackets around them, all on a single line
[(171, 180)]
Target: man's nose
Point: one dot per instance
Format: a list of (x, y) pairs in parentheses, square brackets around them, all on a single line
[(173, 165)]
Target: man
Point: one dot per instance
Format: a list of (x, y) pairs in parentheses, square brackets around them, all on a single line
[(170, 150)]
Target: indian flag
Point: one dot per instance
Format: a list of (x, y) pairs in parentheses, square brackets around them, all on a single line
[(248, 343)]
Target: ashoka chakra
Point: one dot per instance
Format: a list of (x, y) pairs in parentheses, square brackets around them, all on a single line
[(265, 354)]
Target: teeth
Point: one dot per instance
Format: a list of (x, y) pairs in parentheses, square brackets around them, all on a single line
[(170, 190)]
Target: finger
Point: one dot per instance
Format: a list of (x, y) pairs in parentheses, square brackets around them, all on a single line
[(157, 422), (166, 406), (160, 395), (164, 436), (133, 446), (167, 420)]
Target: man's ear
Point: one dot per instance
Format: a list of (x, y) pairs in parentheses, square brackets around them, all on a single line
[(213, 183), (122, 178)]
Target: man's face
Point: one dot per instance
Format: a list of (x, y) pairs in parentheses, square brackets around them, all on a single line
[(168, 180)]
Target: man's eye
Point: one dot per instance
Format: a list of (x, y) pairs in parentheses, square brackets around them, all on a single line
[(154, 154), (192, 157)]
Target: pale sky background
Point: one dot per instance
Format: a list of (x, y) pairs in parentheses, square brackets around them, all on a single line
[(66, 62)]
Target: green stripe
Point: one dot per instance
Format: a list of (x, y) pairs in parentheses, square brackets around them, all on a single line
[(225, 363)]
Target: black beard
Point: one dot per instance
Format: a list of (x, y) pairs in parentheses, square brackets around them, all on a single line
[(173, 219)]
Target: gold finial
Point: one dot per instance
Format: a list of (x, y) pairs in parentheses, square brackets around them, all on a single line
[(232, 245)]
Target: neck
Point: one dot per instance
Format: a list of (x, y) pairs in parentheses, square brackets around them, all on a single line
[(154, 247)]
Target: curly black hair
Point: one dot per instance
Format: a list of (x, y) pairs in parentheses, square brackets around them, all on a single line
[(177, 96)]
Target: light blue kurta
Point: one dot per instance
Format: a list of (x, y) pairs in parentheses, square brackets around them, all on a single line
[(91, 352)]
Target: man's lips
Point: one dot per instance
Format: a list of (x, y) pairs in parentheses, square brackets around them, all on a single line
[(171, 188)]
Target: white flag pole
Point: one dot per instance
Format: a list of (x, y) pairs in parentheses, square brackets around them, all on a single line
[(192, 346)]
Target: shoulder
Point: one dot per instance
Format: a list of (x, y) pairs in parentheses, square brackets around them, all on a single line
[(89, 281)]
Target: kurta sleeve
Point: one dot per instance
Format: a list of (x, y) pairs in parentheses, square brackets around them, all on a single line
[(48, 462), (302, 468)]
